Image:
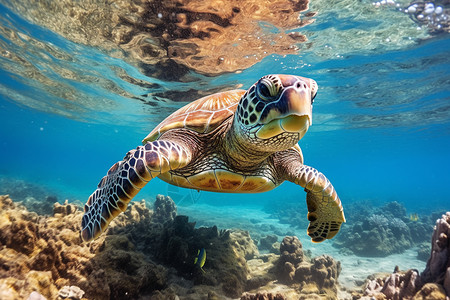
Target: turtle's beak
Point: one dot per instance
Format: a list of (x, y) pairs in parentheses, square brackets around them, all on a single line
[(300, 111), (294, 123), (298, 103), (295, 115)]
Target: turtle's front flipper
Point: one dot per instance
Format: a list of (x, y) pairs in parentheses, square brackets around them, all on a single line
[(125, 179), (325, 212)]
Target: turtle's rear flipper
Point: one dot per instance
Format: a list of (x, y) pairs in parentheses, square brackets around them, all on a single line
[(324, 214), (125, 179)]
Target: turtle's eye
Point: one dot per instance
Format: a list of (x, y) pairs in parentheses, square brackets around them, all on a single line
[(267, 90)]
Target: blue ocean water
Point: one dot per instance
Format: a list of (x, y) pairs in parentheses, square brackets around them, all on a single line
[(380, 129)]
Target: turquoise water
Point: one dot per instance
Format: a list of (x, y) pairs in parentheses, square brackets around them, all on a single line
[(381, 121)]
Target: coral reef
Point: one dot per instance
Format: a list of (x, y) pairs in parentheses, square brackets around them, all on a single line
[(316, 276), (292, 275), (396, 286), (438, 265), (261, 271), (33, 197), (164, 209), (137, 257), (226, 253), (404, 285), (263, 296), (175, 244), (291, 255), (126, 272), (46, 254), (244, 244), (432, 283), (270, 242), (72, 292), (30, 253), (431, 291), (381, 231), (423, 251)]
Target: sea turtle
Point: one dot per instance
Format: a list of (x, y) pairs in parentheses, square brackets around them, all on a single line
[(235, 142)]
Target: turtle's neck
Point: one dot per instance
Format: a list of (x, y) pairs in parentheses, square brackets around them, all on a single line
[(241, 153)]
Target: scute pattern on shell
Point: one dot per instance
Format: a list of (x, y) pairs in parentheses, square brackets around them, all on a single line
[(202, 115)]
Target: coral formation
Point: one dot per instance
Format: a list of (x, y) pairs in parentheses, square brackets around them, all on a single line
[(176, 242), (291, 255), (404, 285), (270, 242), (385, 231), (164, 209), (432, 283), (31, 253), (423, 251), (396, 286), (438, 265), (148, 253), (261, 271), (292, 275), (318, 276), (139, 257), (244, 244), (46, 254), (262, 296), (126, 271), (33, 197), (430, 291), (72, 292)]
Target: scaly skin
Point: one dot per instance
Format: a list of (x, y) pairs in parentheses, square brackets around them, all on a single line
[(125, 179), (325, 211)]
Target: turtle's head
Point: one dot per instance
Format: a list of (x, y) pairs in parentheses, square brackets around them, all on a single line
[(275, 112)]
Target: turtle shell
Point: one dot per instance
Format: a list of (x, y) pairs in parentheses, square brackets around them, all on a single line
[(202, 115)]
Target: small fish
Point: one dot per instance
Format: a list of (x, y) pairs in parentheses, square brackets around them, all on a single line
[(414, 217), (200, 259)]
